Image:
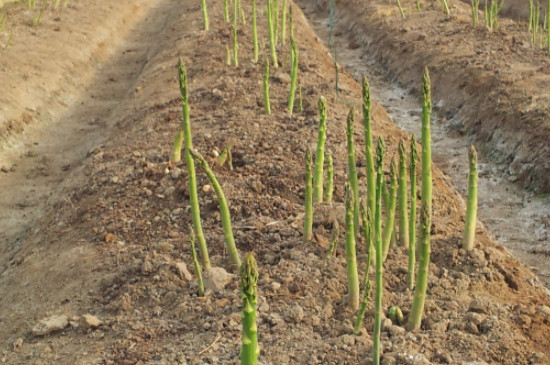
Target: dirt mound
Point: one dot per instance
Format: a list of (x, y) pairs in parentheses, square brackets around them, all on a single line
[(116, 248)]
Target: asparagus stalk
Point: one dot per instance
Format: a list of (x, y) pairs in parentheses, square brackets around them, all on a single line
[(276, 20), (352, 172), (371, 182), (226, 11), (390, 212), (308, 219), (255, 32), (204, 15), (196, 262), (224, 210), (400, 9), (293, 75), (412, 219), (415, 316), (188, 144), (320, 152), (378, 247), (402, 200), (329, 183), (249, 280), (366, 218), (271, 33), (243, 17), (283, 20), (333, 238), (471, 208), (351, 260), (175, 156), (267, 103), (235, 47)]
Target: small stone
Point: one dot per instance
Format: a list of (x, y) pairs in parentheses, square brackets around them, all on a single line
[(89, 322), (386, 324), (275, 286), (396, 331), (181, 269), (50, 325), (282, 78), (347, 340), (388, 360), (295, 314), (216, 278)]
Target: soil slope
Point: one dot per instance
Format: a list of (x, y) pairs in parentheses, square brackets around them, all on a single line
[(113, 240)]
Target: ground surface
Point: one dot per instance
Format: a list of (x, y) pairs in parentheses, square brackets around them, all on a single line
[(102, 218)]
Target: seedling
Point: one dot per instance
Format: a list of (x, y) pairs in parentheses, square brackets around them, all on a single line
[(351, 260), (395, 315), (446, 7), (248, 274), (471, 207), (184, 133), (234, 257), (308, 204), (196, 262), (320, 151)]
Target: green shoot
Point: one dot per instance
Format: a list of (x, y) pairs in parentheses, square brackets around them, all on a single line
[(471, 207), (267, 103), (3, 23), (402, 197), (390, 210), (371, 180), (400, 9), (255, 32), (333, 238), (412, 221), (36, 20), (378, 249), (243, 16), (293, 75), (248, 274), (204, 15), (320, 152), (226, 156), (226, 11), (352, 172), (283, 20), (234, 257), (446, 7), (474, 7), (276, 20), (300, 102), (196, 262), (308, 204), (351, 260), (271, 33), (366, 218), (235, 48), (329, 183)]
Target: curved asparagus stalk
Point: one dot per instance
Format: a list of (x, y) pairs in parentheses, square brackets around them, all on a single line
[(196, 262), (224, 210), (371, 182), (471, 208), (188, 144), (412, 219), (320, 152), (352, 172), (333, 239), (366, 218), (329, 183), (267, 103), (293, 75), (204, 15), (308, 204), (402, 199), (378, 247), (415, 316), (249, 280), (390, 212), (351, 260), (255, 32)]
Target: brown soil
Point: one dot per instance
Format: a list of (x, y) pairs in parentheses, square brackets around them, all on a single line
[(108, 239)]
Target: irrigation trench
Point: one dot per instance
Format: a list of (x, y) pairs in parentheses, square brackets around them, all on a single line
[(516, 219)]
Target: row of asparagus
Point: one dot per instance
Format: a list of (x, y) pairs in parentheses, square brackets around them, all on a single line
[(367, 211)]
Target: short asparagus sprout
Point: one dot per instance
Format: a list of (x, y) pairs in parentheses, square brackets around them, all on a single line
[(412, 219), (255, 32), (271, 33), (417, 2), (320, 152), (351, 260), (8, 43), (352, 172), (378, 249), (402, 198), (226, 156), (369, 151), (283, 20), (333, 239), (471, 208), (204, 15), (196, 262), (396, 315), (235, 47), (329, 183), (226, 11), (234, 257), (248, 274), (184, 136), (390, 213), (366, 218), (293, 75), (308, 219), (267, 103)]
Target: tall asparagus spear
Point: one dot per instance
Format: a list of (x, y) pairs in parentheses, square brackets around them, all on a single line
[(371, 183), (366, 218), (255, 32), (204, 15), (267, 103), (320, 152), (308, 204), (352, 172), (412, 221), (415, 316), (390, 210), (249, 280), (293, 75), (185, 134), (234, 257), (351, 260), (402, 199), (271, 33), (283, 20), (329, 183), (378, 247), (471, 209)]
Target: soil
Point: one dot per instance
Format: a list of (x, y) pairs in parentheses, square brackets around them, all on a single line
[(108, 235)]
